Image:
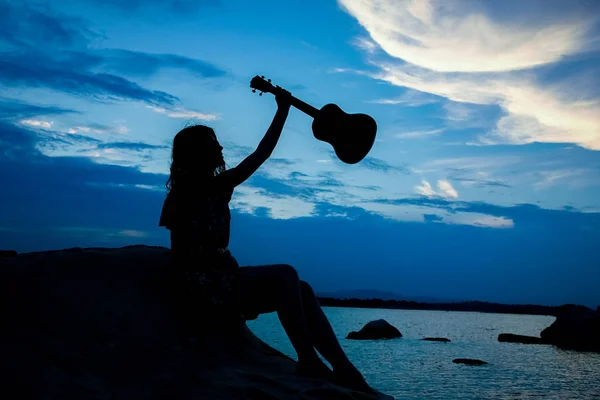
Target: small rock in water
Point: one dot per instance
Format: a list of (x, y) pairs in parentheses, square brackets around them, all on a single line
[(378, 329), (437, 339), (468, 361), (511, 338)]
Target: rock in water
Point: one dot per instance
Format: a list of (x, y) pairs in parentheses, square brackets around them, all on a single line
[(108, 323), (576, 328), (468, 361), (511, 338), (378, 329), (437, 339)]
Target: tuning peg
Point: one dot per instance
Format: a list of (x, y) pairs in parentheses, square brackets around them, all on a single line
[(262, 76), (268, 80), (253, 90), (260, 94)]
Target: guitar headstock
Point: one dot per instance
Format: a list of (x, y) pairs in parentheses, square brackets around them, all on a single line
[(263, 85)]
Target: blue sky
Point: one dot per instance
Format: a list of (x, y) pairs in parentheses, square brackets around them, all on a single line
[(483, 182)]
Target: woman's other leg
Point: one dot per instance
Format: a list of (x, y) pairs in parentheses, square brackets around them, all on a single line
[(324, 340)]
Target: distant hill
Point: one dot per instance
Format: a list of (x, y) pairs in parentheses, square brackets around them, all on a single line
[(476, 306), (365, 294)]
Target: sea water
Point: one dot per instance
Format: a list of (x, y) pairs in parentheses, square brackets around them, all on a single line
[(409, 368)]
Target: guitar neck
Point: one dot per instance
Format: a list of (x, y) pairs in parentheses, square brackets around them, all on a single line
[(304, 107)]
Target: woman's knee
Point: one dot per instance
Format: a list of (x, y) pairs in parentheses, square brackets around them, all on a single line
[(288, 272), (305, 287)]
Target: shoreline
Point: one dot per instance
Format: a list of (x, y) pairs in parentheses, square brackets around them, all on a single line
[(465, 306)]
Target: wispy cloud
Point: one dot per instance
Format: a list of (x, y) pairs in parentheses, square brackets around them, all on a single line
[(365, 44), (99, 129), (551, 178), (37, 123), (410, 98), (134, 146), (419, 134), (431, 41)]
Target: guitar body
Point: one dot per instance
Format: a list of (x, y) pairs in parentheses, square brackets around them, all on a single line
[(350, 135)]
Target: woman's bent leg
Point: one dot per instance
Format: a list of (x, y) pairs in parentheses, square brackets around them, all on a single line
[(276, 288)]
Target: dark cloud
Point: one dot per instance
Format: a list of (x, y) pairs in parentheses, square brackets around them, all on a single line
[(23, 26), (327, 180), (482, 182), (39, 48), (16, 109), (432, 218), (176, 7), (136, 63), (276, 187), (529, 216), (24, 72), (377, 164), (134, 146), (466, 175), (280, 161)]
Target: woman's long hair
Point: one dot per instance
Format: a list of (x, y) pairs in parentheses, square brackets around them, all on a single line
[(195, 159)]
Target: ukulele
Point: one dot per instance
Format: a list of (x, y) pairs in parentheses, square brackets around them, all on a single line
[(350, 135)]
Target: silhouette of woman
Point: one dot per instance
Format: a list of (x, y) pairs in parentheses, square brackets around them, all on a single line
[(196, 211)]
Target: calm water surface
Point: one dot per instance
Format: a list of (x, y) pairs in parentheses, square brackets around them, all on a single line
[(410, 368)]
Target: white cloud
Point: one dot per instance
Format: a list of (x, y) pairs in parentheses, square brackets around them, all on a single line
[(446, 189), (418, 134), (248, 200), (477, 219), (416, 213), (425, 189), (185, 114), (99, 129), (37, 123), (434, 38), (447, 36)]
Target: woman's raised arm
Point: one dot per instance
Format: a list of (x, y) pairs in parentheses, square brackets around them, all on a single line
[(235, 176)]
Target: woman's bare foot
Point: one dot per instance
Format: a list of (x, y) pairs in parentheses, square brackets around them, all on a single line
[(351, 378)]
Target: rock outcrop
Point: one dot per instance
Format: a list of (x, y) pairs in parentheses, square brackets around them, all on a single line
[(468, 361), (437, 339), (109, 323), (512, 338), (7, 253), (576, 328), (378, 329)]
